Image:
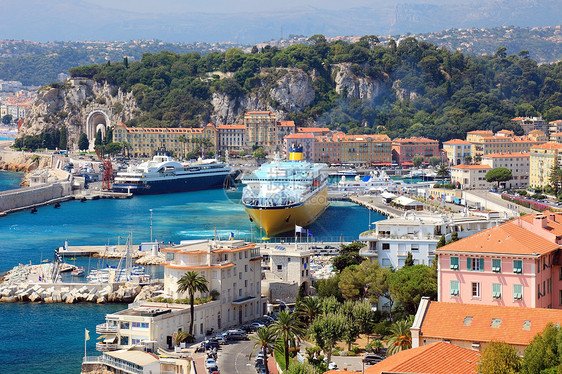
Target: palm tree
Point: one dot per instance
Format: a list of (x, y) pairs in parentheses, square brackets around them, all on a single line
[(180, 337), (442, 172), (401, 338), (266, 339), (192, 282), (182, 139), (287, 328), (309, 307)]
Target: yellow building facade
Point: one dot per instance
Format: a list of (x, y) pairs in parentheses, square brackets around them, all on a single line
[(542, 159), (145, 141), (504, 141)]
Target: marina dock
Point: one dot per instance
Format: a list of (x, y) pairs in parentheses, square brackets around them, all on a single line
[(373, 203)]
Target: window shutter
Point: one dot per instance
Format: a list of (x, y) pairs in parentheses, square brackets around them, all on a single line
[(481, 264), (469, 264)]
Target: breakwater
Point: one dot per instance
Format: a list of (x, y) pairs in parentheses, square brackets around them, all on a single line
[(16, 288)]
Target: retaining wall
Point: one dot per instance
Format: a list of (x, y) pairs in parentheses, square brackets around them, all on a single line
[(29, 196)]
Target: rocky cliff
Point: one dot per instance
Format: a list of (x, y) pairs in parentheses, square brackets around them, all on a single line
[(71, 105), (76, 103)]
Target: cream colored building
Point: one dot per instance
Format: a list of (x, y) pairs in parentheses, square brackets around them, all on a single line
[(504, 141), (286, 268), (517, 162), (261, 129), (470, 176), (232, 268), (145, 141), (231, 138), (542, 159), (457, 150)]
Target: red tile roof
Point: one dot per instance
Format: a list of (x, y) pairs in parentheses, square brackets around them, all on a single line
[(474, 167), (507, 238), (436, 358), (518, 119), (557, 121), (287, 123), (313, 129), (481, 132), (414, 140), (511, 329), (233, 127)]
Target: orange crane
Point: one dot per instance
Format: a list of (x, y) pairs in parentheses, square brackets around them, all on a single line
[(107, 171)]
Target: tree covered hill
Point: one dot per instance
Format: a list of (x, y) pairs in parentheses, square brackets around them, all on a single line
[(407, 89)]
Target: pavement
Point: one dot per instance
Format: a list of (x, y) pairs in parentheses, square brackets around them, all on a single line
[(233, 358)]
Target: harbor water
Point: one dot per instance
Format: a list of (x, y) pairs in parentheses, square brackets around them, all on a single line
[(39, 338)]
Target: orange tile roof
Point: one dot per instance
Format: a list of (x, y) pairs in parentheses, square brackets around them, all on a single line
[(313, 129), (518, 119), (287, 123), (436, 358), (299, 136), (554, 221), (474, 167), (510, 330), (415, 140), (556, 134), (507, 238), (557, 121), (259, 112), (233, 127), (457, 141), (513, 154), (481, 132), (548, 146)]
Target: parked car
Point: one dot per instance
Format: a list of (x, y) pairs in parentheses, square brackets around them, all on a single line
[(236, 336), (210, 363), (257, 325), (214, 370), (371, 359)]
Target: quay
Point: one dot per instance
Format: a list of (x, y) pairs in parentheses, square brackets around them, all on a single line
[(370, 202)]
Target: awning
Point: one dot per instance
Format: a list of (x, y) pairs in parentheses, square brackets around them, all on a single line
[(110, 339), (244, 300)]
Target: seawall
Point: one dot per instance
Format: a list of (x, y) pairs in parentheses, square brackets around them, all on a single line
[(27, 197)]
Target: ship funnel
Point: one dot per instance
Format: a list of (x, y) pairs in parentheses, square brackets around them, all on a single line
[(296, 153)]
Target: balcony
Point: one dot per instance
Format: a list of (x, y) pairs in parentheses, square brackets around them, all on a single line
[(105, 347), (104, 328)]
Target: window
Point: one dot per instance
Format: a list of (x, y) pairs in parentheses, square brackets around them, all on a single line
[(454, 288), (496, 322), (385, 246), (246, 268), (496, 290), (527, 325), (124, 326), (454, 263), (279, 267), (538, 266), (415, 247), (517, 291), (475, 264), (517, 266), (475, 289), (496, 265)]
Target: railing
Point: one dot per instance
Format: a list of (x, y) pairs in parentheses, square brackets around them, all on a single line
[(118, 365), (92, 359), (374, 235), (104, 328), (103, 347)]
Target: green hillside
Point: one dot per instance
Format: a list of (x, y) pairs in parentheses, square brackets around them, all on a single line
[(447, 93)]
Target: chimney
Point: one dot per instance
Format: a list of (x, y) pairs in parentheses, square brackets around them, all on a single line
[(540, 221)]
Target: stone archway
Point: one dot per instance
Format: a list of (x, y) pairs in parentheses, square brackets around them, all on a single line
[(96, 120)]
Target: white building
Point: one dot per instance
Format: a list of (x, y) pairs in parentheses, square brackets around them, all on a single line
[(471, 176), (286, 268), (517, 162), (135, 362), (419, 233), (457, 150), (232, 268)]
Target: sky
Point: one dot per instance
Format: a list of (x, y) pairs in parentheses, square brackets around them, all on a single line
[(229, 6)]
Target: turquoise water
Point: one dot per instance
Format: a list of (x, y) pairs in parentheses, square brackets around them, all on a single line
[(9, 180), (48, 338)]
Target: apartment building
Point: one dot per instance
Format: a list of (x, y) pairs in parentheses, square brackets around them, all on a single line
[(513, 264), (231, 138), (541, 160), (470, 176), (517, 162), (306, 140), (357, 149), (232, 268), (504, 141), (144, 141), (261, 129), (404, 150), (418, 233), (457, 150), (554, 127), (529, 124)]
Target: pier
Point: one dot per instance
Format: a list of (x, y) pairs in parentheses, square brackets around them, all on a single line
[(370, 202)]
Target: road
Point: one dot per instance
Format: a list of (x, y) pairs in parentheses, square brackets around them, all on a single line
[(233, 358)]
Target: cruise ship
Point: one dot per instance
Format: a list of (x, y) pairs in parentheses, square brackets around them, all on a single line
[(164, 175), (282, 194)]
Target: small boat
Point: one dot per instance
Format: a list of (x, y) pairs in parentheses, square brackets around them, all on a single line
[(78, 272), (33, 210)]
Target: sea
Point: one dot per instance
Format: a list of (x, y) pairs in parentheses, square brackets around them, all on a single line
[(49, 338)]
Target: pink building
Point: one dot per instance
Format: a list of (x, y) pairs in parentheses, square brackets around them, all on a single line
[(404, 150), (514, 264)]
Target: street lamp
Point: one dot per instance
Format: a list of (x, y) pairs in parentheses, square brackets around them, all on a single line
[(150, 225)]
